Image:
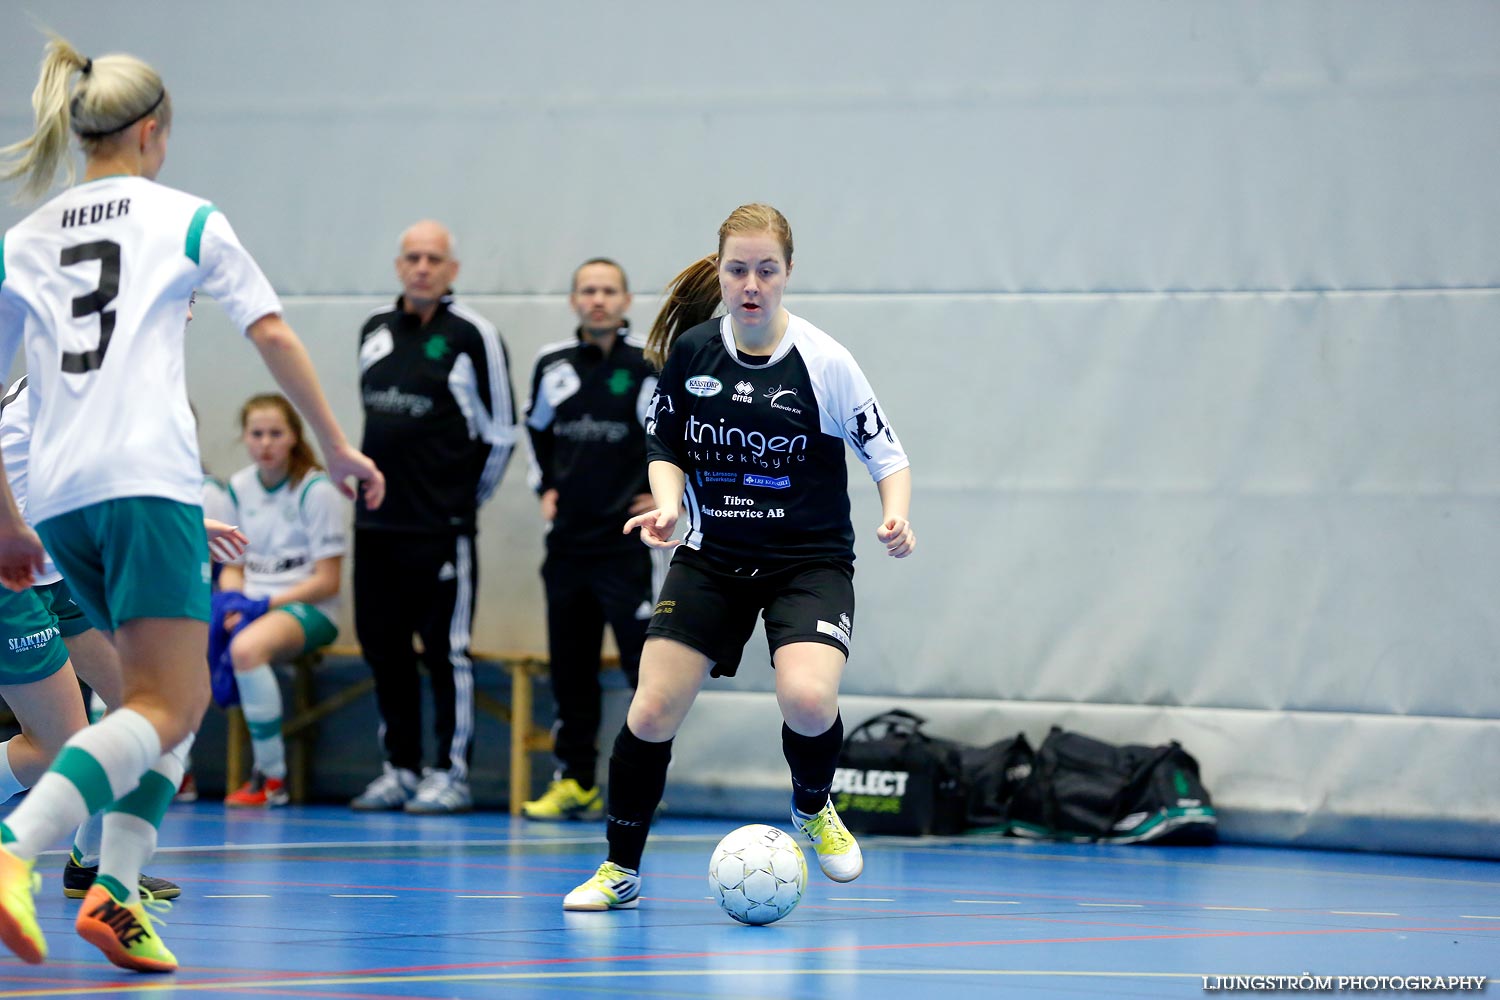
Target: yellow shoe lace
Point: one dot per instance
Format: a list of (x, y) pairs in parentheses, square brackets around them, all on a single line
[(828, 836)]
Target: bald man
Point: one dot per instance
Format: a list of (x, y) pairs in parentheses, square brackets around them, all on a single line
[(435, 384)]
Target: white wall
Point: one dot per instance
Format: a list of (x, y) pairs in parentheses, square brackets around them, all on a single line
[(1185, 312)]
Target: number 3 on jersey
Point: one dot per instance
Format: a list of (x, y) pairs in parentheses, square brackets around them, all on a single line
[(107, 253)]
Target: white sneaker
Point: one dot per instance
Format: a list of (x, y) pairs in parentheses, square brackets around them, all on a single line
[(440, 792), (611, 888), (838, 852), (388, 792)]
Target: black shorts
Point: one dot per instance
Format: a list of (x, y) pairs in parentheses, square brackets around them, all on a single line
[(714, 612)]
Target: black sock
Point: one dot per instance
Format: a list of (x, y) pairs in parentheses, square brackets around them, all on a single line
[(813, 760), (637, 778)]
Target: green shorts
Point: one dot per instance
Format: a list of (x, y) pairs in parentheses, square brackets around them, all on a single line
[(317, 630), (136, 557), (31, 646), (70, 617)]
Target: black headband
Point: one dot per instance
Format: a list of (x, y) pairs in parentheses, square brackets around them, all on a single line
[(100, 135), (88, 66)]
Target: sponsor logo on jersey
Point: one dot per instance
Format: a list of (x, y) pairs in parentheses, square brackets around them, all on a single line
[(270, 567), (717, 477), (758, 444), (34, 641), (704, 385), (397, 403), (586, 429), (775, 395), (742, 391), (665, 607), (867, 424), (620, 381), (768, 482)]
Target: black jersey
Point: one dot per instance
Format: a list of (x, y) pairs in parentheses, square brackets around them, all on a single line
[(763, 445), (440, 420), (586, 419)]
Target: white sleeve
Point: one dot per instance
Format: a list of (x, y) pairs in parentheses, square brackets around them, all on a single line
[(323, 515), (231, 276), (217, 503), (860, 420)]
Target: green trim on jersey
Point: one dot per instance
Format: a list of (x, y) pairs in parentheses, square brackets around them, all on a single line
[(2, 260), (229, 488), (307, 485), (195, 232)]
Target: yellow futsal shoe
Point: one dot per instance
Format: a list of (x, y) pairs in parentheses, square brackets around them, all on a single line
[(838, 852), (124, 932), (566, 799), (611, 888), (19, 884)]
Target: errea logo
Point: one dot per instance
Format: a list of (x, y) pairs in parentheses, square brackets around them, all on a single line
[(704, 385), (742, 391)]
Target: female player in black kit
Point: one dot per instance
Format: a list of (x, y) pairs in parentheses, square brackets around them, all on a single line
[(745, 441)]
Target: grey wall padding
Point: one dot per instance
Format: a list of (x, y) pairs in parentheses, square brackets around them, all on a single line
[(1186, 314)]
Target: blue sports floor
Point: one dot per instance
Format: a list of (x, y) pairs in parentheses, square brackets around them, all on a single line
[(319, 902)]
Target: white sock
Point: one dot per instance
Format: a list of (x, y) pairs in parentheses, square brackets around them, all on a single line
[(94, 768), (260, 698), (130, 825), (9, 786), (86, 841)]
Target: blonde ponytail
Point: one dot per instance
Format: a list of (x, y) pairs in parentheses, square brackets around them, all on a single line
[(112, 93)]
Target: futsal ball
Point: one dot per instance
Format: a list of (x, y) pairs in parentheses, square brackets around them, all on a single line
[(758, 874)]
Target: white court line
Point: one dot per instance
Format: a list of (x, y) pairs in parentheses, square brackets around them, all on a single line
[(1117, 906), (247, 895), (1363, 913), (1244, 909), (859, 899), (489, 897), (360, 895), (1478, 916), (991, 902)]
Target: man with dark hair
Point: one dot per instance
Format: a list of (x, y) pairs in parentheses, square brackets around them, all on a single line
[(585, 418)]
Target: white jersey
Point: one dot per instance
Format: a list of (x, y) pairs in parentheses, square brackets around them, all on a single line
[(216, 502), (98, 280), (15, 446), (290, 528)]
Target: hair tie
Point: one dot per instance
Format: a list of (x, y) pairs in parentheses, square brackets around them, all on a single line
[(88, 66)]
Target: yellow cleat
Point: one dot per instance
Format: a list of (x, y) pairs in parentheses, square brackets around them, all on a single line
[(566, 799), (838, 852), (124, 931), (611, 888), (19, 884)]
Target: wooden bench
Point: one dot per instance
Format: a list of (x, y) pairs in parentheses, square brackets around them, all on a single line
[(305, 712)]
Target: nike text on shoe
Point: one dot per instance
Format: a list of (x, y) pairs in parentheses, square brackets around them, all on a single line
[(441, 792), (566, 799), (611, 888), (19, 883), (77, 879), (388, 792), (838, 852), (124, 932)]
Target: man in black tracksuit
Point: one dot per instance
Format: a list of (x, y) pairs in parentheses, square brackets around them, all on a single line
[(435, 384), (586, 421)]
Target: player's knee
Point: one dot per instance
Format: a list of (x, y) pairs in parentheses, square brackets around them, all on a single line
[(808, 709)]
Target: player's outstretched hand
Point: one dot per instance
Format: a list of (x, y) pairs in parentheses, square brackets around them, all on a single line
[(226, 542), (897, 536), (349, 463), (21, 558), (656, 527)]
